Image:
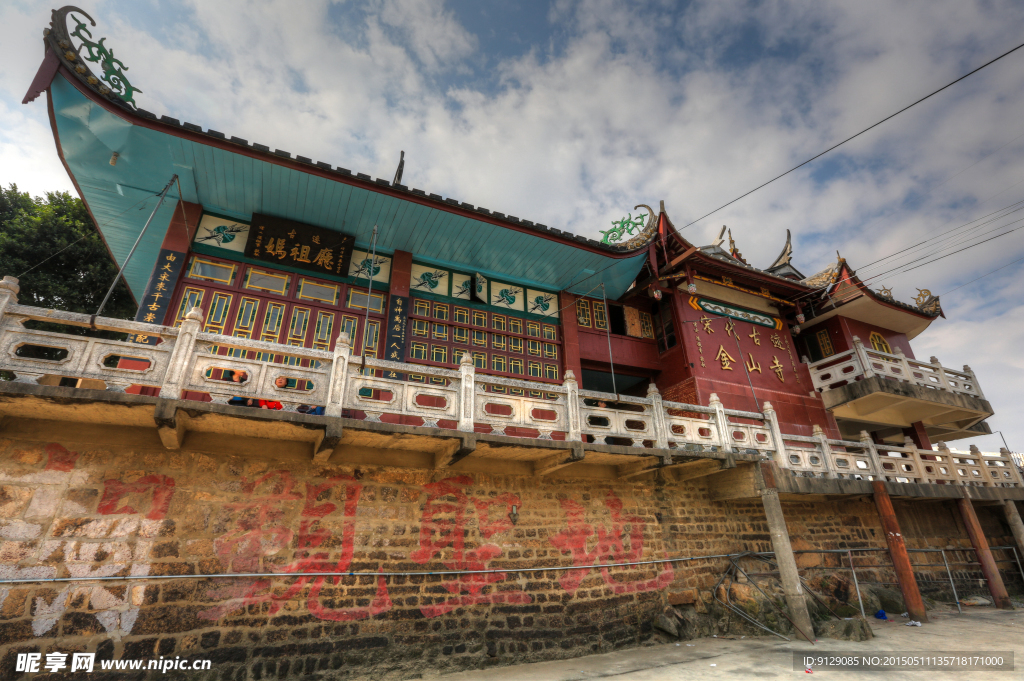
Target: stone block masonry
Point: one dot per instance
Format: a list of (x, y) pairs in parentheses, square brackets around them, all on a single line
[(81, 507)]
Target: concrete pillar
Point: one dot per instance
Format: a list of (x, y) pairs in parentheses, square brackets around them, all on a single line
[(988, 564), (1013, 519), (898, 552), (788, 574)]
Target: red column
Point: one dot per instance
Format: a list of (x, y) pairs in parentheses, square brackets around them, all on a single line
[(898, 551), (401, 272), (988, 564), (917, 433), (570, 334)]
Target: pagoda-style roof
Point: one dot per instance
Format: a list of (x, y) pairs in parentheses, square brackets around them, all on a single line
[(120, 157), (843, 293)]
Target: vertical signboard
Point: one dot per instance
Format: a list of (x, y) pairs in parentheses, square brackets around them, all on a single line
[(157, 299), (394, 347)]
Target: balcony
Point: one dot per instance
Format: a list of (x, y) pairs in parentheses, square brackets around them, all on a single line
[(876, 391)]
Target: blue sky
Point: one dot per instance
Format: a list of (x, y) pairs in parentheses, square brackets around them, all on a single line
[(570, 113)]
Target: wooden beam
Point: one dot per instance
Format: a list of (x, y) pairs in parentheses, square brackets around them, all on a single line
[(635, 468), (327, 441), (549, 465), (735, 483), (681, 472), (686, 254), (170, 424), (456, 451)]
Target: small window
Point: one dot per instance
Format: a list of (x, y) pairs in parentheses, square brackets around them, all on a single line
[(421, 308), (551, 351), (793, 458), (461, 315), (600, 317), (533, 347), (516, 391), (582, 313), (646, 325), (193, 297), (879, 343), (515, 366), (324, 293), (439, 353), (549, 333), (498, 363), (842, 463), (479, 319), (420, 327), (480, 360), (498, 341), (460, 335), (441, 331), (258, 280), (533, 329), (418, 351), (551, 372), (943, 470), (515, 345), (360, 300), (515, 325), (457, 354), (221, 273), (814, 460), (440, 311), (825, 343), (534, 369), (863, 465), (975, 472), (498, 322), (480, 338)]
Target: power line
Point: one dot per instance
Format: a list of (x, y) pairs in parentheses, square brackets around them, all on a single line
[(870, 127), (983, 276)]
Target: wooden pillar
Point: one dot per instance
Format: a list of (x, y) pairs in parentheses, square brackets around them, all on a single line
[(919, 435), (898, 551), (570, 334), (789, 574), (988, 564), (1016, 525)]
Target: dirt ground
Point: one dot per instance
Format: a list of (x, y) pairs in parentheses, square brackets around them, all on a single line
[(978, 630)]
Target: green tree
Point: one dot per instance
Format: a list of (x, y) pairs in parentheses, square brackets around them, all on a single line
[(80, 270)]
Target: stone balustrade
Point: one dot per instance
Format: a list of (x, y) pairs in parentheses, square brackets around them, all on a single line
[(862, 362), (189, 360)]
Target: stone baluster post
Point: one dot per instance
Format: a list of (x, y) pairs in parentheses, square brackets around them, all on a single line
[(904, 365), (572, 407), (941, 373), (862, 356), (338, 388), (915, 456), (869, 444), (771, 419), (974, 381), (947, 458), (721, 424), (660, 423), (8, 295), (181, 356), (826, 451), (1014, 471), (467, 393)]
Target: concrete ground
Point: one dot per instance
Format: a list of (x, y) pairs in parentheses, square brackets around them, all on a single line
[(978, 630)]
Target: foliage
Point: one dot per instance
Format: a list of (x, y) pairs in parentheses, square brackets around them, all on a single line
[(75, 279)]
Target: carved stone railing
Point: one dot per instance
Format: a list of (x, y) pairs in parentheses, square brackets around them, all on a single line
[(862, 362), (190, 361)]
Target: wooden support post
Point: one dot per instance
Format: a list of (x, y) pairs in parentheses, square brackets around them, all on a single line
[(789, 575), (1016, 526), (988, 564), (898, 552)]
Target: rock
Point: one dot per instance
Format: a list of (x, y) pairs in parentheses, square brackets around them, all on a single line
[(976, 600), (667, 624), (854, 629)]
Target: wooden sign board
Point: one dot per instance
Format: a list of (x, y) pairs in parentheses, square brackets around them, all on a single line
[(277, 241)]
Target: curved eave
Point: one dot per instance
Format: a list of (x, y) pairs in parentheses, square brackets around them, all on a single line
[(238, 180)]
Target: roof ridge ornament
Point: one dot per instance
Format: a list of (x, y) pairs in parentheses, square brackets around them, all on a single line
[(787, 253), (627, 225), (113, 83)]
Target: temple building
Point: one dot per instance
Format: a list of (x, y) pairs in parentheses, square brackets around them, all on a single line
[(407, 344)]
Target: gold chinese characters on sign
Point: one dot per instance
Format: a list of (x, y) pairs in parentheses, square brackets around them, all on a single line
[(286, 242)]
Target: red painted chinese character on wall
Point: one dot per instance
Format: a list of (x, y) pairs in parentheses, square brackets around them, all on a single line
[(610, 547), (443, 529)]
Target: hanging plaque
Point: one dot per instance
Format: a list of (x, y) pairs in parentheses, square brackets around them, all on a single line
[(278, 241)]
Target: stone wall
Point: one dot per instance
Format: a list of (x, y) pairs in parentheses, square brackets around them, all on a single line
[(87, 505)]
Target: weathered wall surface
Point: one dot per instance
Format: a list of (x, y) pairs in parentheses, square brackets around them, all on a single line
[(78, 505)]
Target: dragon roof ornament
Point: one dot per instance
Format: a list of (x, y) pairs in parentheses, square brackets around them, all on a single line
[(625, 227), (112, 83)]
